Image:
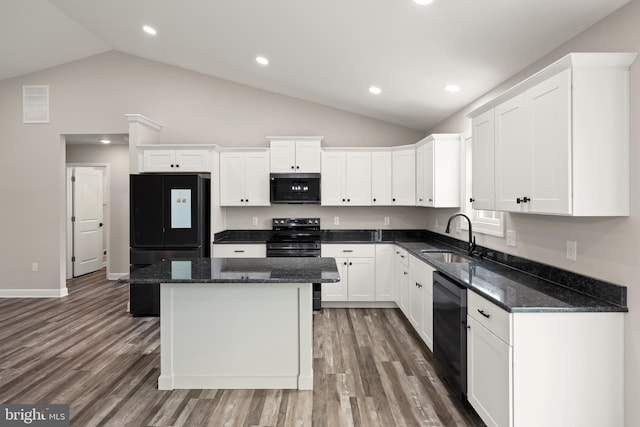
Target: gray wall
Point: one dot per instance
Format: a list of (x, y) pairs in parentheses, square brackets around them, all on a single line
[(92, 96), (607, 247)]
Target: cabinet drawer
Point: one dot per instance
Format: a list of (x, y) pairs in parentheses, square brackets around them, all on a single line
[(403, 256), (349, 251), (240, 251), (420, 268), (495, 319)]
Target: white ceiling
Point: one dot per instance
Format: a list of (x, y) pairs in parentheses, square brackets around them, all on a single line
[(327, 51)]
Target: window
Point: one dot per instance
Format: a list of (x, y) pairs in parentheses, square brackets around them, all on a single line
[(486, 222)]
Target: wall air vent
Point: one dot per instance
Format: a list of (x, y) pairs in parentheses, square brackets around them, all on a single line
[(35, 104)]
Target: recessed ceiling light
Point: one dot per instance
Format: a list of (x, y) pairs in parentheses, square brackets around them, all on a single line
[(149, 30), (375, 90), (423, 2), (262, 60), (105, 141), (452, 88)]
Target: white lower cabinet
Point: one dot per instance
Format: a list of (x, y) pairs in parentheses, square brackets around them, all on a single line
[(239, 251), (421, 299), (401, 288), (551, 369), (356, 266), (385, 277)]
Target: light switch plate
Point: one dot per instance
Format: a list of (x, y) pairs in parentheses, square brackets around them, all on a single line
[(255, 220), (511, 238), (336, 220), (386, 220), (572, 250)]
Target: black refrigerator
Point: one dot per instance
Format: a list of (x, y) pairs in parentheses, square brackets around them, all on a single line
[(169, 219)]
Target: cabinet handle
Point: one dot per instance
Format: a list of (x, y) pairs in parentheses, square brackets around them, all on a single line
[(347, 250), (525, 199), (471, 200), (239, 251), (405, 273), (518, 200), (401, 256), (431, 200), (484, 314)]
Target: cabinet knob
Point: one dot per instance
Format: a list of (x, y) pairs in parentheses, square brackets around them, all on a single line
[(344, 200), (172, 166), (405, 273), (420, 199), (431, 200), (345, 263), (297, 167), (374, 200), (350, 263), (246, 200), (394, 199), (292, 167), (348, 200), (242, 200), (177, 166)]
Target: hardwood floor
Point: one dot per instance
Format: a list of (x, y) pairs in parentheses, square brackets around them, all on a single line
[(84, 350)]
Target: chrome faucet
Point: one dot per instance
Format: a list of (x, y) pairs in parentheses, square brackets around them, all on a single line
[(472, 239)]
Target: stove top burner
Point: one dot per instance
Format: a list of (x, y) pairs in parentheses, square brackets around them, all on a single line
[(294, 237)]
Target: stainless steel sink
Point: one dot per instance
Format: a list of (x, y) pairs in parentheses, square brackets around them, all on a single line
[(449, 257)]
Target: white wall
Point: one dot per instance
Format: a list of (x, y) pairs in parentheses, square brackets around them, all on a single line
[(92, 96), (117, 157), (607, 247)]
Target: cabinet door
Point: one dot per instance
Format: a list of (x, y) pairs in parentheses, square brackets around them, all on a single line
[(308, 156), (489, 373), (358, 178), (385, 272), (159, 161), (483, 160), (415, 300), (420, 177), (362, 279), (404, 290), (429, 173), (337, 291), (381, 178), (549, 105), (404, 177), (426, 326), (333, 178), (283, 156), (232, 178), (256, 180), (193, 160), (513, 155)]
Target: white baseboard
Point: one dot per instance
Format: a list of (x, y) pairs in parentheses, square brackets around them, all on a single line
[(34, 293), (116, 276)]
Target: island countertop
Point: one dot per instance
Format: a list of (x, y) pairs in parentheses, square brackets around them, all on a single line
[(238, 270)]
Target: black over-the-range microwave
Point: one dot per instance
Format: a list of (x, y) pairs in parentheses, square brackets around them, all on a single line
[(295, 188)]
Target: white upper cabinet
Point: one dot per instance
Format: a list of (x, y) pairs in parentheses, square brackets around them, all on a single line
[(381, 177), (295, 155), (244, 178), (403, 189), (164, 159), (438, 171), (346, 178), (561, 140), (483, 160)]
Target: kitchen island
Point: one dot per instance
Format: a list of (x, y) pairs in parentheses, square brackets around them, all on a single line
[(236, 323)]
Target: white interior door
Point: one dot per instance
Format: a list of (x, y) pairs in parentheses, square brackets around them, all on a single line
[(87, 227)]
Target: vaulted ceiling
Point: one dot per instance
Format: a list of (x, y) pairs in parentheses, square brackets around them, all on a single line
[(330, 51)]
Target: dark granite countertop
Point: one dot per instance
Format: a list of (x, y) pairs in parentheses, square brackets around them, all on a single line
[(238, 270), (513, 283), (513, 290)]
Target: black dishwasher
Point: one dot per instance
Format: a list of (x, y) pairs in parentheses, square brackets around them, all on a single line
[(450, 332)]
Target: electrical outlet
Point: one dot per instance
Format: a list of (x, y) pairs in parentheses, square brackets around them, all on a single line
[(336, 220), (386, 220), (458, 227), (437, 223), (572, 250), (255, 220), (511, 238), (34, 266)]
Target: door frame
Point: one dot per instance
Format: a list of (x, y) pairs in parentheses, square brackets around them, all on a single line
[(106, 189)]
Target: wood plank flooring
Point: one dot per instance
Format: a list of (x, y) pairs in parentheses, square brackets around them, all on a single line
[(84, 350)]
